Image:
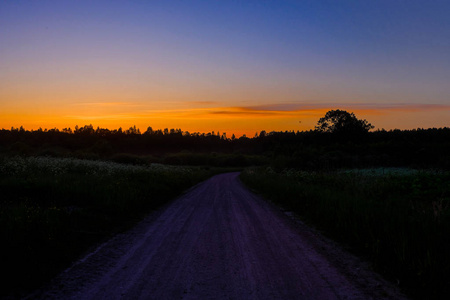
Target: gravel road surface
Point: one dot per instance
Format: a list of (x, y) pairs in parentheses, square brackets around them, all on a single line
[(219, 241)]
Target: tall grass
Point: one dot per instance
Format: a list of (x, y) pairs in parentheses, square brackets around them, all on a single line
[(52, 210), (398, 219)]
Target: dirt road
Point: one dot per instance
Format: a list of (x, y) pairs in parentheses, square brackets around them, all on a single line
[(219, 241)]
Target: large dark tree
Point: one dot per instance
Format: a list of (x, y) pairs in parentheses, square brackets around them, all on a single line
[(343, 122)]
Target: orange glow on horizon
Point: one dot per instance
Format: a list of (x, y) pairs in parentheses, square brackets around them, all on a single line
[(232, 120)]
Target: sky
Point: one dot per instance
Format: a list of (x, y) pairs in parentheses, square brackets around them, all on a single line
[(229, 66)]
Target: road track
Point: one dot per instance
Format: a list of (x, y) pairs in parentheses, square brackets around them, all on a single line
[(219, 241)]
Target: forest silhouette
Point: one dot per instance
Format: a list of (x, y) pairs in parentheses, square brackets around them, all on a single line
[(331, 145)]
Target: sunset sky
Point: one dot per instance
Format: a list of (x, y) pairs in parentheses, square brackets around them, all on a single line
[(229, 66)]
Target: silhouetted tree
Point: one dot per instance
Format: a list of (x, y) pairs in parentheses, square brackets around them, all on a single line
[(343, 122), (149, 131), (262, 134), (133, 130)]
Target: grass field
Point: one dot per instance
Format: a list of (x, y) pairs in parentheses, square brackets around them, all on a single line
[(399, 219), (53, 209)]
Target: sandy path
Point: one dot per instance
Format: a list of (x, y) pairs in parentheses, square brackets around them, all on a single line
[(219, 241)]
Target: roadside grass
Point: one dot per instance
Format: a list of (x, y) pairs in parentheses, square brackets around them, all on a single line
[(53, 209), (399, 219)]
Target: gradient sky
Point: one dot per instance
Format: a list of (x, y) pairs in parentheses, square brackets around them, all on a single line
[(229, 66)]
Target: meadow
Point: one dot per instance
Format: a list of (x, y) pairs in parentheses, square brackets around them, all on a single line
[(398, 219), (64, 191), (52, 210)]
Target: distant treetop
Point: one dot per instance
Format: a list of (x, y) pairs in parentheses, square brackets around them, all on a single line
[(343, 122)]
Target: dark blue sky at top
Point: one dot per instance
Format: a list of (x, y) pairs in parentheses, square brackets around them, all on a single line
[(354, 47)]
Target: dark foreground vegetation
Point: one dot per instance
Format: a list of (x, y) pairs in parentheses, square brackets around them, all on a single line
[(65, 190), (398, 219), (312, 150), (52, 210)]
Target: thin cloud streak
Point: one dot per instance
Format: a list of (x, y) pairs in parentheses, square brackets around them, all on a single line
[(246, 112), (289, 108), (107, 104), (357, 106), (200, 102), (103, 117), (278, 110)]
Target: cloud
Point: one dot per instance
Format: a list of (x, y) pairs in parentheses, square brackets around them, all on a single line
[(244, 111), (313, 108), (289, 110), (200, 102), (287, 107), (106, 104), (103, 117), (268, 111), (414, 107), (357, 106)]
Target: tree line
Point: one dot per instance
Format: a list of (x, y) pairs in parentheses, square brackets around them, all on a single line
[(339, 140)]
